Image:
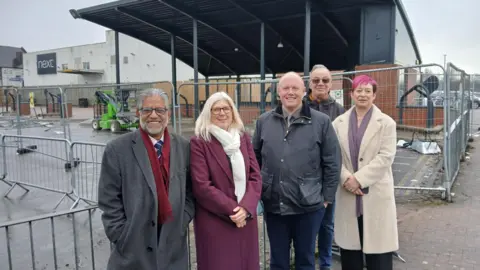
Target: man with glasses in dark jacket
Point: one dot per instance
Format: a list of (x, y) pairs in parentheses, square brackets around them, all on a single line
[(318, 98)]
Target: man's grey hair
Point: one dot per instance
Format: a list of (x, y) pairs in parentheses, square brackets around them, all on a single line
[(319, 66), (149, 93)]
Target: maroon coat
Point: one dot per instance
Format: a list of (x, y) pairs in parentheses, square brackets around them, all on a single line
[(220, 244)]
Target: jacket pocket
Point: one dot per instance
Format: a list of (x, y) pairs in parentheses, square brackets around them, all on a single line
[(121, 242), (267, 180), (310, 191), (382, 190)]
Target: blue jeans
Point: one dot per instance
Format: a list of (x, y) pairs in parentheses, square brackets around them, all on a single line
[(302, 229), (325, 238)]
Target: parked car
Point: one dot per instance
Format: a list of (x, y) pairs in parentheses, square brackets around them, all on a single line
[(455, 99), (475, 98)]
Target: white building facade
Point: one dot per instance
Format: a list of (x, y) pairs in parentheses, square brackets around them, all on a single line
[(95, 64)]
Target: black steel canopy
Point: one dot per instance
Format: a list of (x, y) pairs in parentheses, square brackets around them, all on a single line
[(228, 31)]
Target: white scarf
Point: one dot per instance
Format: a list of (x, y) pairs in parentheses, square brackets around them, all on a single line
[(231, 145)]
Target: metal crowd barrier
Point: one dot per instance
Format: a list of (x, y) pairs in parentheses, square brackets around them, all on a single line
[(69, 168), (87, 158), (74, 239), (36, 162)]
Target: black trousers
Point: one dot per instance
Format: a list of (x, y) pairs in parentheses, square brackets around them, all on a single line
[(354, 259)]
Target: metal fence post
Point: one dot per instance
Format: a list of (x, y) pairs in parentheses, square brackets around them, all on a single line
[(462, 110), (18, 103), (472, 93), (447, 147)]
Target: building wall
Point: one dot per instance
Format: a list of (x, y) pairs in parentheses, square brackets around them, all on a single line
[(139, 62), (404, 52), (376, 35), (70, 58), (384, 37), (145, 63)]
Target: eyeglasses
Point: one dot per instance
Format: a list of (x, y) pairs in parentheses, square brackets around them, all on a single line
[(317, 81), (219, 109), (148, 111)]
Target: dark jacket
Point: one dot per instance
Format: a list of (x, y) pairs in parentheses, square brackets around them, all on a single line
[(329, 107), (300, 165)]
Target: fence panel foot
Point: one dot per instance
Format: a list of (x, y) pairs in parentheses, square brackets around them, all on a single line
[(62, 198), (26, 150), (397, 255), (12, 187), (6, 182)]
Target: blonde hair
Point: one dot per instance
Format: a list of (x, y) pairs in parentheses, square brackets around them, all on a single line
[(204, 123)]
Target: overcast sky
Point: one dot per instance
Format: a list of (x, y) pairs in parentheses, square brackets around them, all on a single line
[(440, 26)]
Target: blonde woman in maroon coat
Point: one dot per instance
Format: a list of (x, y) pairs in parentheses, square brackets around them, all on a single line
[(226, 184)]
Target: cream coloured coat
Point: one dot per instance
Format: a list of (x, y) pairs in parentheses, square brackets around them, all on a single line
[(375, 159)]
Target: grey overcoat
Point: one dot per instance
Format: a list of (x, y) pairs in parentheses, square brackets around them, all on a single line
[(128, 198)]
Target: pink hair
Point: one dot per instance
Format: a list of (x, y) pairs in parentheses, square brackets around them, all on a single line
[(363, 80)]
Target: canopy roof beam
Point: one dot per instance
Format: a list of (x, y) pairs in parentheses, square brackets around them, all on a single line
[(172, 31), (204, 20), (259, 17)]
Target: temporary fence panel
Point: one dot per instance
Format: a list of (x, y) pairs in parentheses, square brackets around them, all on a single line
[(86, 161), (37, 162), (407, 94), (404, 94), (35, 108), (124, 93), (53, 107), (111, 106), (252, 97), (42, 102), (466, 107), (475, 105), (458, 100)]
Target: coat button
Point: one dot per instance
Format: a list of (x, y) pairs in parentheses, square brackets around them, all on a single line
[(361, 159), (149, 249)]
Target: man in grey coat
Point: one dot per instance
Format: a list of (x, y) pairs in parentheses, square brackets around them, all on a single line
[(300, 161), (145, 192)]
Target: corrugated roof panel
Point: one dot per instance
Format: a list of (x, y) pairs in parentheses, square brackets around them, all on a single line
[(156, 9), (275, 9), (205, 5)]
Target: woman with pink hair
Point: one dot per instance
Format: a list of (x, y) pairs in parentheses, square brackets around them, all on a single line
[(365, 220)]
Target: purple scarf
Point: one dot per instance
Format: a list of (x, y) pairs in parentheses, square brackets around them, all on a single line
[(355, 136)]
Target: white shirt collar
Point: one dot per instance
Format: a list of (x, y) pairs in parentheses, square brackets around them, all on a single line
[(154, 141)]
